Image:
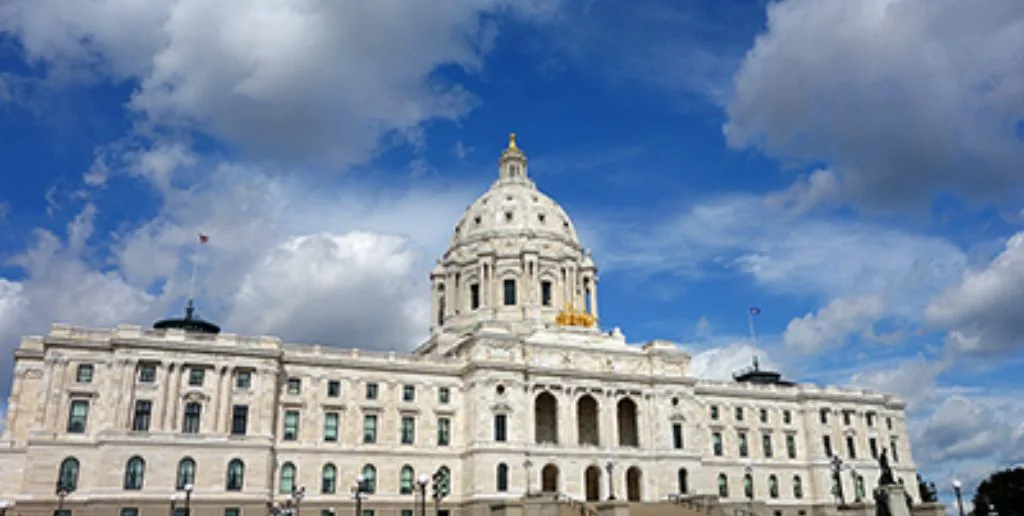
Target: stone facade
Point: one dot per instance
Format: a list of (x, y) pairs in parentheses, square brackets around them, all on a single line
[(510, 402)]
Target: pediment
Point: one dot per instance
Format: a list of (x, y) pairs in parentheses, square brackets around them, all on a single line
[(501, 407), (194, 396)]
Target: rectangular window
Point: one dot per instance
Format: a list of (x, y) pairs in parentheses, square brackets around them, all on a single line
[(444, 395), (545, 293), (84, 373), (239, 419), (143, 411), (510, 292), (406, 512), (677, 436), (62, 512), (739, 413), (823, 415), (294, 386), (129, 511), (714, 412), (408, 393), (190, 423), (873, 446), (291, 425), (368, 512), (147, 373), (851, 448), (766, 445), (331, 426), (474, 297), (764, 415), (787, 417), (826, 443), (369, 429), (846, 417), (892, 451), (444, 431), (371, 391), (333, 389), (500, 427), (791, 446), (408, 429), (869, 418), (888, 423), (232, 511), (243, 379), (78, 416), (744, 451), (196, 376), (716, 440)]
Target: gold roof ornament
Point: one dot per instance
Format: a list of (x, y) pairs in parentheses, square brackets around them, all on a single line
[(512, 140), (572, 317)]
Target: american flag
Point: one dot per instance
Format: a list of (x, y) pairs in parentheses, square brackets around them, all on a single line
[(755, 310), (203, 238)]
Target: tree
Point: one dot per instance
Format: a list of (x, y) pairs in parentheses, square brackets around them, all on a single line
[(927, 490), (1004, 490)]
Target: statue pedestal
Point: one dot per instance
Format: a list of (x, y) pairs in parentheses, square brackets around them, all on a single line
[(895, 498), (857, 509)]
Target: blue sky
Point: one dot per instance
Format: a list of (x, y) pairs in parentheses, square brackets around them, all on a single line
[(852, 168)]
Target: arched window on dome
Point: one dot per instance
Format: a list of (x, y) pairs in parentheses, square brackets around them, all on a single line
[(509, 286)]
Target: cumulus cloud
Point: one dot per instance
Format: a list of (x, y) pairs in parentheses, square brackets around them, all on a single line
[(912, 379), (960, 428), (720, 363), (831, 325), (301, 79), (902, 98)]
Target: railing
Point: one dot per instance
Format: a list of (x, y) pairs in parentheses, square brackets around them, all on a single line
[(566, 500)]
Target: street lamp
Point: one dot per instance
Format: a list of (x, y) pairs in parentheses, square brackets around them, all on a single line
[(359, 490), (174, 503), (188, 499), (421, 486), (837, 466), (957, 486), (609, 466), (4, 504), (61, 491)]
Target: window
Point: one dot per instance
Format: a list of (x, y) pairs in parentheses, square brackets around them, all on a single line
[(869, 418), (408, 429), (239, 419), (369, 429), (186, 473), (291, 425), (287, 481), (739, 413), (370, 478), (826, 443), (748, 486), (764, 415), (892, 451), (444, 430), (714, 412), (773, 486), (545, 293), (509, 292), (134, 472), (196, 376), (243, 379), (716, 440), (677, 436), (501, 478), (444, 395), (406, 512), (331, 426), (84, 373), (333, 389), (846, 417), (766, 445), (791, 446), (742, 437), (129, 511), (236, 475), (500, 428), (232, 511), (888, 423), (723, 486), (823, 416), (873, 445), (798, 487), (405, 480), (371, 391), (67, 476), (682, 477), (294, 386), (474, 296), (408, 393), (328, 479), (787, 417), (190, 422), (147, 373), (78, 416), (143, 411), (851, 449)]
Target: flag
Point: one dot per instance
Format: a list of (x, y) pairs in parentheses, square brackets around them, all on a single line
[(755, 310), (203, 238)]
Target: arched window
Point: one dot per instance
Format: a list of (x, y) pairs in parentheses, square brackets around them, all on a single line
[(67, 476), (502, 478), (329, 479), (287, 482), (748, 486), (236, 475), (134, 473), (186, 473), (683, 478), (405, 480), (723, 486), (444, 476), (369, 479), (798, 487), (773, 486)]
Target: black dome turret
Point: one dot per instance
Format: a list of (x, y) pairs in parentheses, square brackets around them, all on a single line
[(190, 323)]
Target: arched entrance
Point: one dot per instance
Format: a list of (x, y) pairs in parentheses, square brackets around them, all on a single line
[(549, 479), (626, 411), (634, 478), (592, 482), (545, 409), (586, 420)]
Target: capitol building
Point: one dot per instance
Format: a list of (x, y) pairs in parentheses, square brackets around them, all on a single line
[(518, 394)]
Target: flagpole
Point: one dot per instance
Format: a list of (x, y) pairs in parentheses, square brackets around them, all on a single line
[(195, 269), (753, 332)]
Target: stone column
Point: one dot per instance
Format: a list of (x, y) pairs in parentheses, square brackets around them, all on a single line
[(608, 427), (166, 391), (125, 390), (266, 415), (223, 421), (46, 394), (593, 295), (567, 435)]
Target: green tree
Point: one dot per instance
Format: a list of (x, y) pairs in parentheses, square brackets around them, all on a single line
[(1004, 491), (927, 490)]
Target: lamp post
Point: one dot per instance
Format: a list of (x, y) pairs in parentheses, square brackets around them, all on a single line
[(421, 487), (296, 498), (441, 488), (4, 504), (957, 486), (174, 504), (609, 467), (359, 490), (61, 491), (188, 499), (837, 466)]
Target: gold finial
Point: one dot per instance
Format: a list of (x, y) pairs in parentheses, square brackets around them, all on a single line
[(512, 140), (572, 317)]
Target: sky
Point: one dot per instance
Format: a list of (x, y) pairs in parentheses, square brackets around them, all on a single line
[(853, 169)]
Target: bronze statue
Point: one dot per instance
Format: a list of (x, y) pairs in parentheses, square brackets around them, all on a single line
[(885, 478)]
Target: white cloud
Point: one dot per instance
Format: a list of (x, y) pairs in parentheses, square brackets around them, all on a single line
[(299, 79), (902, 98), (831, 326), (912, 379), (720, 363)]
